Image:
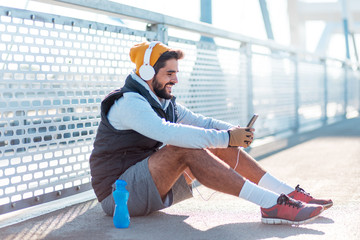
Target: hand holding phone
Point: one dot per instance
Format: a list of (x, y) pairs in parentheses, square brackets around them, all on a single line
[(240, 136), (252, 120)]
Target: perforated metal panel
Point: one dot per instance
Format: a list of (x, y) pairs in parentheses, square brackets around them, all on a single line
[(353, 91), (274, 93), (213, 80), (53, 78), (336, 90), (311, 92)]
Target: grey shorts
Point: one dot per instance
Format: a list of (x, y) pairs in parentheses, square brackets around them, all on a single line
[(144, 197)]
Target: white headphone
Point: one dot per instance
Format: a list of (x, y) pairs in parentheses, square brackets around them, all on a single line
[(146, 71)]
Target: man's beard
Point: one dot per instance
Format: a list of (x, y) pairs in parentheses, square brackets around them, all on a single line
[(161, 91)]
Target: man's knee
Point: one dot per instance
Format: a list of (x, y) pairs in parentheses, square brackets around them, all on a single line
[(186, 152)]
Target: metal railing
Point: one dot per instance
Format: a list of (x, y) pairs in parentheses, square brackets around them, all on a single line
[(55, 70)]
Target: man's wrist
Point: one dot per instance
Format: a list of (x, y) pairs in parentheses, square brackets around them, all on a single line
[(228, 131)]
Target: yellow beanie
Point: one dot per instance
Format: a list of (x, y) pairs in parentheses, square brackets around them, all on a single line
[(137, 53)]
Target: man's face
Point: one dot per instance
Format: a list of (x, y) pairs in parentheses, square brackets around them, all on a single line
[(164, 80)]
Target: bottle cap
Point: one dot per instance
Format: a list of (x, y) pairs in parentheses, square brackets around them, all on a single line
[(120, 183)]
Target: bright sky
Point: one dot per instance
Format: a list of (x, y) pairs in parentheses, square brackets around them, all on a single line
[(241, 16)]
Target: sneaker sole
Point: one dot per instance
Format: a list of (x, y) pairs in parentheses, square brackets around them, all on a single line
[(327, 206), (276, 221)]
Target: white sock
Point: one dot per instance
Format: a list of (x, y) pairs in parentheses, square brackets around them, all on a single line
[(273, 184), (258, 195)]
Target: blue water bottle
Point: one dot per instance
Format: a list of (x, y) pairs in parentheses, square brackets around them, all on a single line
[(121, 217)]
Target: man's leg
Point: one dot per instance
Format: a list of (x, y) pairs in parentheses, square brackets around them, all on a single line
[(249, 168), (169, 163), (245, 165)]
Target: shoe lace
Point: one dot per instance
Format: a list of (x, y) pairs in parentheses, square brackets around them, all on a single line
[(299, 189), (285, 200)]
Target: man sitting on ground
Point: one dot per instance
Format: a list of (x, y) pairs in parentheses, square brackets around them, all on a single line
[(150, 141)]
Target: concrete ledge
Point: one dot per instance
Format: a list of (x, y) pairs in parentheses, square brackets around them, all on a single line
[(45, 208)]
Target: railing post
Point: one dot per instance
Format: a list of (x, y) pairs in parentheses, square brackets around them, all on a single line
[(324, 117), (358, 79), (296, 93), (249, 84), (161, 30), (345, 66)]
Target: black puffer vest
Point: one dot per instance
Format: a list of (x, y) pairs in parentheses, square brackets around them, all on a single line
[(117, 150)]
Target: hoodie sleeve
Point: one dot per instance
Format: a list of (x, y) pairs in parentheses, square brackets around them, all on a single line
[(132, 111)]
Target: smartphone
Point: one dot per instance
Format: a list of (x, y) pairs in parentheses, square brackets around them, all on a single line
[(252, 120)]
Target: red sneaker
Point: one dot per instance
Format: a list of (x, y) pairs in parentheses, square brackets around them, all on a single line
[(300, 195), (290, 211)]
